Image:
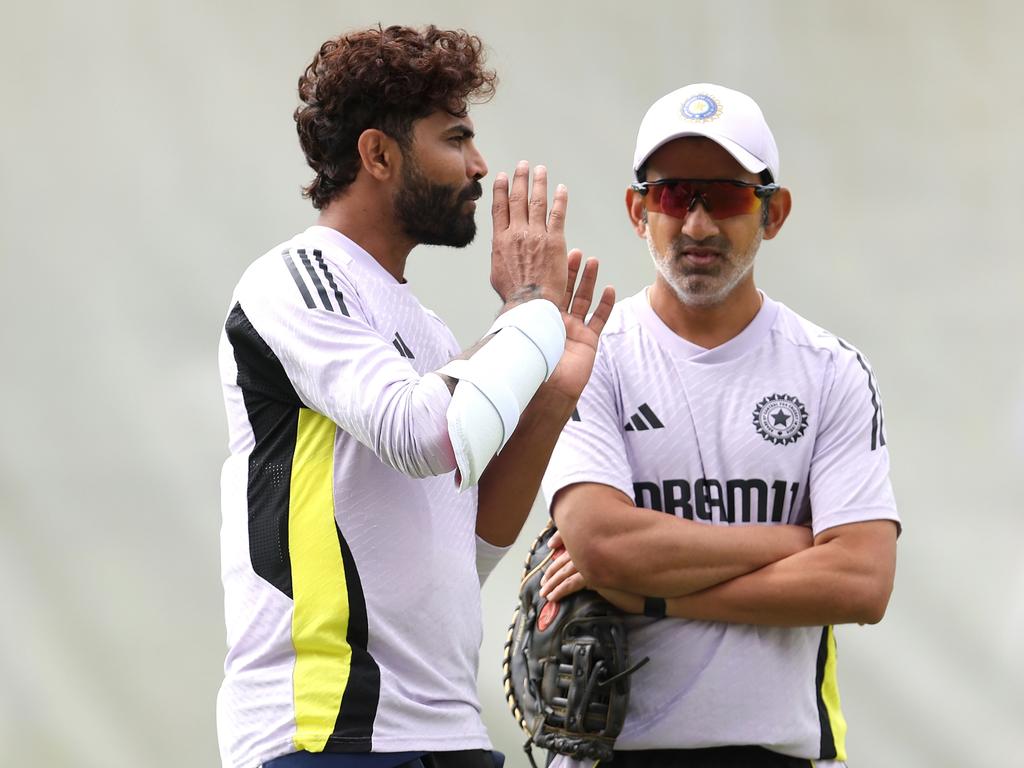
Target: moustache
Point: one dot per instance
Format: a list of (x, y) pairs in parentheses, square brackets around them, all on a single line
[(718, 243), (473, 191)]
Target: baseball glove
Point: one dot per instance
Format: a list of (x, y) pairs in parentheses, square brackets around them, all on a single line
[(566, 670)]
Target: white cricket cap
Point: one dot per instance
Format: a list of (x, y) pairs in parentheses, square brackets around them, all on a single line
[(730, 118)]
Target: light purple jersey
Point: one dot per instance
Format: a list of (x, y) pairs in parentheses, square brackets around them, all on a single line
[(349, 560), (781, 424)]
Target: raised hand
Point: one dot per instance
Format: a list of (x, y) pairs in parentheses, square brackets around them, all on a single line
[(581, 335), (528, 255)]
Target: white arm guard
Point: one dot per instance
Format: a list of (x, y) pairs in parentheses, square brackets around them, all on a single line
[(498, 381)]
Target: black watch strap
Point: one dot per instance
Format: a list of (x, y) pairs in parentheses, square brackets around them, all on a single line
[(654, 607)]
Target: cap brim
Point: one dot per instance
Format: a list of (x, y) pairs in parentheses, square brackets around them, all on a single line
[(742, 156)]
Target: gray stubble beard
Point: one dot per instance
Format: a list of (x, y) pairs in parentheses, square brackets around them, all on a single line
[(700, 298)]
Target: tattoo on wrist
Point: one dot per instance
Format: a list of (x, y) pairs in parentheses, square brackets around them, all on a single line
[(523, 294)]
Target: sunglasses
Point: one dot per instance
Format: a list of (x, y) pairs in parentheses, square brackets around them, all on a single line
[(721, 198)]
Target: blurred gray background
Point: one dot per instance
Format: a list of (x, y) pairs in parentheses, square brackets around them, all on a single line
[(147, 155)]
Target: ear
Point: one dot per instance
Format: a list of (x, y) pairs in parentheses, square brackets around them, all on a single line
[(637, 211), (778, 211), (379, 153)]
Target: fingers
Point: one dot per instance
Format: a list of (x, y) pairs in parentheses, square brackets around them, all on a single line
[(555, 542), (560, 577), (518, 209), (585, 290), (538, 212), (574, 583), (499, 203), (604, 309), (556, 219), (517, 198), (573, 262), (559, 560), (583, 295)]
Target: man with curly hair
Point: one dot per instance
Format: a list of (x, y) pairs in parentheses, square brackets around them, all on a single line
[(363, 500)]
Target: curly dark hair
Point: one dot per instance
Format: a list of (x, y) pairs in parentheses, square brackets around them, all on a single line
[(384, 79)]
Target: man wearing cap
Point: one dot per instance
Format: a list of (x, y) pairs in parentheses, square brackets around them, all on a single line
[(727, 477)]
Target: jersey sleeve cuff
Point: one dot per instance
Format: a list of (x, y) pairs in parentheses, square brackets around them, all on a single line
[(861, 515), (552, 487), (487, 557)]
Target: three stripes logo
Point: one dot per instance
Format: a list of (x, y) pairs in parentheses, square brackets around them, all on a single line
[(643, 419), (321, 286), (402, 347)]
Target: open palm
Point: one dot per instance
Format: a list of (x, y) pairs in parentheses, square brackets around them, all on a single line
[(581, 335)]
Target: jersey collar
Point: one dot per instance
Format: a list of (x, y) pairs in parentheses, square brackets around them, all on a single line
[(747, 339), (352, 250)]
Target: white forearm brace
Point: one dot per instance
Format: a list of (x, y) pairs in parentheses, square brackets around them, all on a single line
[(498, 381)]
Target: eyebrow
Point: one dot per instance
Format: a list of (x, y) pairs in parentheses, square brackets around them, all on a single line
[(462, 130)]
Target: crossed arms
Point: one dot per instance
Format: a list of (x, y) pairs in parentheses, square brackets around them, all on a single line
[(753, 574)]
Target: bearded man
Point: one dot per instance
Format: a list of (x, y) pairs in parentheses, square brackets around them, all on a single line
[(363, 500)]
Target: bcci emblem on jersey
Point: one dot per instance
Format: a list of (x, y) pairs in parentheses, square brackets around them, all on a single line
[(780, 419)]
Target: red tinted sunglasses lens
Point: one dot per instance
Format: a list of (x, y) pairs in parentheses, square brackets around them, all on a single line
[(720, 198)]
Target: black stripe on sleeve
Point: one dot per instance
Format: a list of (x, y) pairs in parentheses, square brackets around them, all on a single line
[(316, 280), (330, 281), (273, 409), (405, 347), (881, 420), (638, 422), (828, 742), (877, 438), (298, 279)]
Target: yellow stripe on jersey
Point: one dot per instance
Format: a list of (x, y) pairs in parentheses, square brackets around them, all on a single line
[(323, 657), (830, 695)]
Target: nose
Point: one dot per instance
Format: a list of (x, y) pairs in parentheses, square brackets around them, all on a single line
[(476, 167), (698, 223)]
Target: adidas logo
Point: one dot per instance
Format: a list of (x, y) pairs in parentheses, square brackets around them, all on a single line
[(644, 419), (402, 347)]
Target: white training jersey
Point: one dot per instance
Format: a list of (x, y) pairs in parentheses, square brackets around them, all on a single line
[(349, 559), (781, 424)]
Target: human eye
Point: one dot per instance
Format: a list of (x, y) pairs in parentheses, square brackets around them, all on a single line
[(460, 136)]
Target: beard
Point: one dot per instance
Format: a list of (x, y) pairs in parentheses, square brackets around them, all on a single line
[(704, 286), (432, 214)]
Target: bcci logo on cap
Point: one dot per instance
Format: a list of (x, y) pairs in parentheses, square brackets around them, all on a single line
[(701, 108), (780, 419)]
